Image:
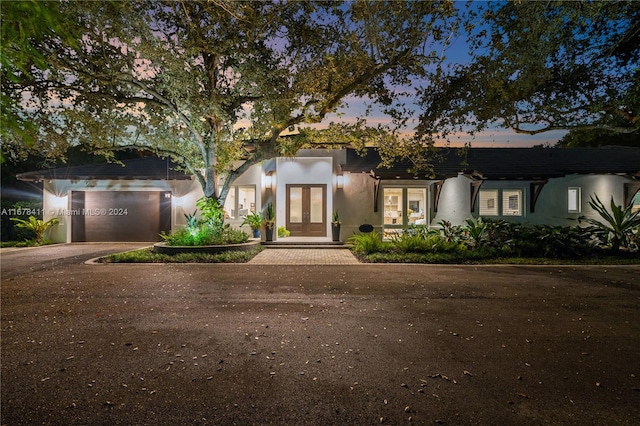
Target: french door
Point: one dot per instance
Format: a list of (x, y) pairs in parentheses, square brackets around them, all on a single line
[(307, 210)]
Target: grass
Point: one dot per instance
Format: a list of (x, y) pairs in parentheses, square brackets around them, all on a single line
[(147, 255), (25, 243)]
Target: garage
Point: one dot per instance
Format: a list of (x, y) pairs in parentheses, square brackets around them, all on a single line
[(119, 215)]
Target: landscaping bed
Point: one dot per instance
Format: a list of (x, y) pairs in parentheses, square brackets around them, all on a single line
[(147, 255), (163, 248)]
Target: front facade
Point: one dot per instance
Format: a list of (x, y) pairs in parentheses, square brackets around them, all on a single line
[(532, 185)]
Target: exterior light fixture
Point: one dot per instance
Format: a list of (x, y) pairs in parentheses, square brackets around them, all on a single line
[(340, 181), (269, 181)]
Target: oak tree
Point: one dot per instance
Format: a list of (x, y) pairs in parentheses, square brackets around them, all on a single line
[(541, 66), (214, 84)]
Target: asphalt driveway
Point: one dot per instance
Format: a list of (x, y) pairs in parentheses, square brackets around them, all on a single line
[(315, 345)]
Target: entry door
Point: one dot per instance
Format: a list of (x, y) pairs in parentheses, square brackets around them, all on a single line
[(307, 210)]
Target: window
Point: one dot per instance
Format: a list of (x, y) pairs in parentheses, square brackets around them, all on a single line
[(416, 212), (489, 202), (506, 202), (240, 202), (574, 201), (512, 202), (393, 206), (635, 203), (403, 207)]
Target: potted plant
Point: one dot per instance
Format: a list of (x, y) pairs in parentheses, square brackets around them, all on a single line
[(335, 226), (269, 221), (254, 220)]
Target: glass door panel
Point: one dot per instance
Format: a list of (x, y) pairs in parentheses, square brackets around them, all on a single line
[(417, 203), (295, 204), (393, 206), (306, 211), (316, 205)]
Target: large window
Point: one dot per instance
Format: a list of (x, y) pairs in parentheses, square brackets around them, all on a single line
[(491, 204), (240, 201), (403, 207), (574, 201)]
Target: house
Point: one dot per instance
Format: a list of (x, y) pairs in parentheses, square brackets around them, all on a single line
[(529, 185)]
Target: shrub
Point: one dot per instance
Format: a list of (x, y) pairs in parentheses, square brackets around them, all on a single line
[(450, 232), (368, 243), (476, 232), (37, 226), (206, 235), (618, 227), (564, 241), (283, 232)]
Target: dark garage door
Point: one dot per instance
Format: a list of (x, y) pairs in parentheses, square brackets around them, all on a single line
[(119, 215)]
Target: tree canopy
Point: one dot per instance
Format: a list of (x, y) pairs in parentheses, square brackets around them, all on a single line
[(541, 66), (214, 84)]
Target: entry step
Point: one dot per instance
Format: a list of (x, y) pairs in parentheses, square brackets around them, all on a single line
[(304, 245)]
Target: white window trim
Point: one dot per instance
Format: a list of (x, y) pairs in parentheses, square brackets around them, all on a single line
[(507, 210), (574, 196), (404, 219), (495, 198), (500, 207)]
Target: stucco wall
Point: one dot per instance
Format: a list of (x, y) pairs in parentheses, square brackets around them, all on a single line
[(552, 205), (455, 201), (57, 199), (303, 171), (354, 204)]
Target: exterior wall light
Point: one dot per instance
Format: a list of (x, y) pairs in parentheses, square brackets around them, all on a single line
[(269, 181), (340, 181)]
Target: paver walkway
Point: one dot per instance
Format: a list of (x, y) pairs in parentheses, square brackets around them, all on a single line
[(304, 257)]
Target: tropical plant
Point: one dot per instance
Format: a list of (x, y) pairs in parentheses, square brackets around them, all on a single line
[(38, 226), (212, 212), (205, 235), (450, 232), (564, 241), (335, 219), (368, 243), (192, 220), (269, 217), (254, 220), (618, 228), (475, 231), (283, 232)]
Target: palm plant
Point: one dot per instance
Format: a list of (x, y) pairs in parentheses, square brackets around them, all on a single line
[(38, 226), (619, 226)]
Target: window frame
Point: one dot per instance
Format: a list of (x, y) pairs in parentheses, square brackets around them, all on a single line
[(502, 207), (234, 193), (496, 200), (577, 199), (507, 194), (403, 207)]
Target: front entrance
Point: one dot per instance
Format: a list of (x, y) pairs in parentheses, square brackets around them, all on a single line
[(307, 210)]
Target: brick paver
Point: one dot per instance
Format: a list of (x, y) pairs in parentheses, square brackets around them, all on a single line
[(304, 257)]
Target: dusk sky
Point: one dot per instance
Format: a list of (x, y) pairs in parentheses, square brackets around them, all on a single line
[(458, 52)]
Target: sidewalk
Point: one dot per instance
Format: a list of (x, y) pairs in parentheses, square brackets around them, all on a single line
[(304, 257)]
